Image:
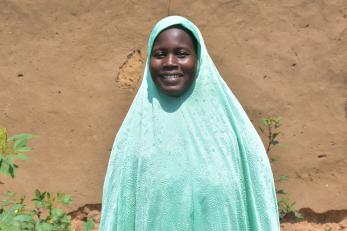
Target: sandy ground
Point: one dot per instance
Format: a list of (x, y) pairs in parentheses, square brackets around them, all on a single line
[(327, 221), (69, 71)]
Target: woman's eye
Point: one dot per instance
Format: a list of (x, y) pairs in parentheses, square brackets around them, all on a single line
[(159, 55), (182, 54)]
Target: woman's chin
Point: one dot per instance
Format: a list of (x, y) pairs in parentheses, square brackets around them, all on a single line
[(173, 90)]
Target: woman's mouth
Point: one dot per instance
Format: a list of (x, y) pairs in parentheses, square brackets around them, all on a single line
[(171, 76), (171, 79)]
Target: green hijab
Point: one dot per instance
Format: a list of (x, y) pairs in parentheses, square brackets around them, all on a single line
[(193, 162)]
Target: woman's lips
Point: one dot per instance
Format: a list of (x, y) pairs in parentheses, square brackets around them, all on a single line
[(171, 79)]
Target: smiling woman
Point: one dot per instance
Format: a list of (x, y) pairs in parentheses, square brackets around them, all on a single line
[(173, 61), (186, 156)]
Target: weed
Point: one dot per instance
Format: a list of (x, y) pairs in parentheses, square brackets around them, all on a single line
[(47, 211), (88, 225), (11, 149), (270, 128)]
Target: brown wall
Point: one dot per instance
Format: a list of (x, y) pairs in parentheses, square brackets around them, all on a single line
[(284, 58)]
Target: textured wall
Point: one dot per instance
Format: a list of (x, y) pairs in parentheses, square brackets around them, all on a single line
[(59, 61)]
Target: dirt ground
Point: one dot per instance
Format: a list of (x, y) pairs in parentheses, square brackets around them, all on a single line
[(327, 221), (69, 71)]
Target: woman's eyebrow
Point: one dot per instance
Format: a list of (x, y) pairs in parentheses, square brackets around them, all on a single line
[(158, 49), (184, 47), (176, 48)]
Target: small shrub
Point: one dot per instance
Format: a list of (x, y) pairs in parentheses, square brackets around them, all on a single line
[(88, 225), (12, 149), (270, 128), (47, 211)]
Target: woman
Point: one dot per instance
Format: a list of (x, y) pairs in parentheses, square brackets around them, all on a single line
[(186, 156)]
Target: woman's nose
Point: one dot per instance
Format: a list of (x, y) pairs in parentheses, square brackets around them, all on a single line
[(171, 60)]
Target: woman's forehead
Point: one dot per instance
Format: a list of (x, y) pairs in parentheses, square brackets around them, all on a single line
[(174, 37)]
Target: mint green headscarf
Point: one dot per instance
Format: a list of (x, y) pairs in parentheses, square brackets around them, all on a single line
[(193, 162)]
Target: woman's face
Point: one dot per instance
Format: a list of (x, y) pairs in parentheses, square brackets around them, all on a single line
[(173, 61)]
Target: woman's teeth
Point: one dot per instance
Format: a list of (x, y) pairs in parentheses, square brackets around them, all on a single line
[(170, 76)]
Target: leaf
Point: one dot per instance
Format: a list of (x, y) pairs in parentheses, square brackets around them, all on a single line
[(57, 213), (5, 202), (67, 200), (20, 144), (11, 170), (282, 178), (278, 122), (38, 193), (281, 191), (273, 159), (10, 193), (46, 204), (43, 227), (38, 203), (23, 218), (20, 140), (24, 149), (3, 140), (21, 156), (298, 215), (89, 225), (274, 142), (66, 219), (7, 216), (22, 136), (275, 134), (4, 170), (265, 121)]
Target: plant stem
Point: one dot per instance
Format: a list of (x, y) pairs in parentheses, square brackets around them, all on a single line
[(270, 139)]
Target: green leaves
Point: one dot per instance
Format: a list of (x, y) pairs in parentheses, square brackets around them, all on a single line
[(11, 149), (286, 207), (43, 226), (88, 225), (12, 215), (23, 218), (281, 191), (3, 140), (282, 178), (22, 157), (270, 128), (64, 199), (20, 140), (48, 213)]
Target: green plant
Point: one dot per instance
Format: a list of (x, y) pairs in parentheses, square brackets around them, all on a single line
[(47, 215), (11, 213), (286, 207), (270, 128), (47, 211), (11, 149), (88, 225)]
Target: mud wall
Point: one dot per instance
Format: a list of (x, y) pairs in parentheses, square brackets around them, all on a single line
[(59, 61)]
